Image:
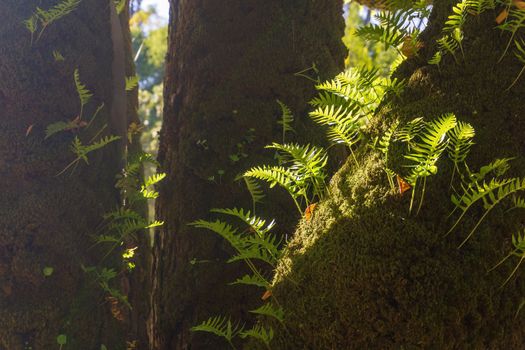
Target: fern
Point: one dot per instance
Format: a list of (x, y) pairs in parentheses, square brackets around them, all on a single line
[(84, 94), (384, 147), (460, 143), (307, 163), (252, 280), (120, 5), (518, 241), (286, 119), (221, 327), (436, 59), (425, 153), (260, 333), (255, 190), (519, 52), (132, 82), (491, 194), (270, 311), (515, 21), (44, 18)]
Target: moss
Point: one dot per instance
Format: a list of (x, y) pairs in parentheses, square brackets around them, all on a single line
[(365, 274)]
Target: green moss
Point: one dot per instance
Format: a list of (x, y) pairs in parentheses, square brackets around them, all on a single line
[(364, 274)]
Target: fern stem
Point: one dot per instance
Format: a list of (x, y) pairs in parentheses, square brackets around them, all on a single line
[(516, 80), (513, 271), (422, 195)]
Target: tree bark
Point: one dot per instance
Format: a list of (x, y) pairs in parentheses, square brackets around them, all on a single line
[(228, 62), (367, 274), (49, 220)]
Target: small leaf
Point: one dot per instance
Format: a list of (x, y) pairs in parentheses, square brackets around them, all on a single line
[(62, 339), (266, 295), (47, 271), (502, 16)]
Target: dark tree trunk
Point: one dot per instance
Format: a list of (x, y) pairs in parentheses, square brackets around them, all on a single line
[(228, 62), (367, 274), (48, 220)]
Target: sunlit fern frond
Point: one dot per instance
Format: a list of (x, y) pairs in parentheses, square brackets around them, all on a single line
[(343, 125), (408, 132), (221, 327), (460, 142), (429, 147), (458, 17), (477, 7), (132, 82), (270, 310), (306, 161), (260, 333), (277, 175), (436, 59)]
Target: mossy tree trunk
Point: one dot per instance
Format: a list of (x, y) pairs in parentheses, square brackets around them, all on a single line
[(228, 63), (49, 220), (367, 274)]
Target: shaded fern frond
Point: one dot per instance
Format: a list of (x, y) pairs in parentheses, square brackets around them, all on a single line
[(84, 94), (260, 333), (286, 119), (56, 12), (271, 311), (252, 280), (255, 190), (221, 327)]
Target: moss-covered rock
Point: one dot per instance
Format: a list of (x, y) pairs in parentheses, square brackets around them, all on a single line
[(363, 273)]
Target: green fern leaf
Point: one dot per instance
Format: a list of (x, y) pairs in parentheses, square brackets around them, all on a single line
[(252, 280), (269, 310), (221, 327), (84, 94)]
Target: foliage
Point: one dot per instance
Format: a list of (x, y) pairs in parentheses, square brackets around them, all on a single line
[(41, 19)]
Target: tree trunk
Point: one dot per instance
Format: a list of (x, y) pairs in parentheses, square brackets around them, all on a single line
[(49, 220), (228, 62), (367, 274)]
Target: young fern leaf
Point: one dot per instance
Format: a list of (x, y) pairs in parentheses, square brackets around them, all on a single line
[(269, 310), (84, 94), (286, 119), (221, 327)]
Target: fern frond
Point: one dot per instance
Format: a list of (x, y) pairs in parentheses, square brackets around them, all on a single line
[(460, 142), (436, 59), (221, 327), (255, 190), (515, 21), (252, 280), (62, 9), (307, 163), (286, 119), (84, 94), (458, 17), (519, 52), (477, 7), (223, 229), (154, 179), (120, 5), (271, 311), (408, 132), (260, 333), (132, 82)]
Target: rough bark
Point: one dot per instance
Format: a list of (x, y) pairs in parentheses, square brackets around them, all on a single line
[(366, 274), (228, 62), (48, 220)]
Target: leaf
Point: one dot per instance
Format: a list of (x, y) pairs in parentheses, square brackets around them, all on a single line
[(402, 185), (132, 82), (47, 271), (308, 213), (502, 16), (62, 339)]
